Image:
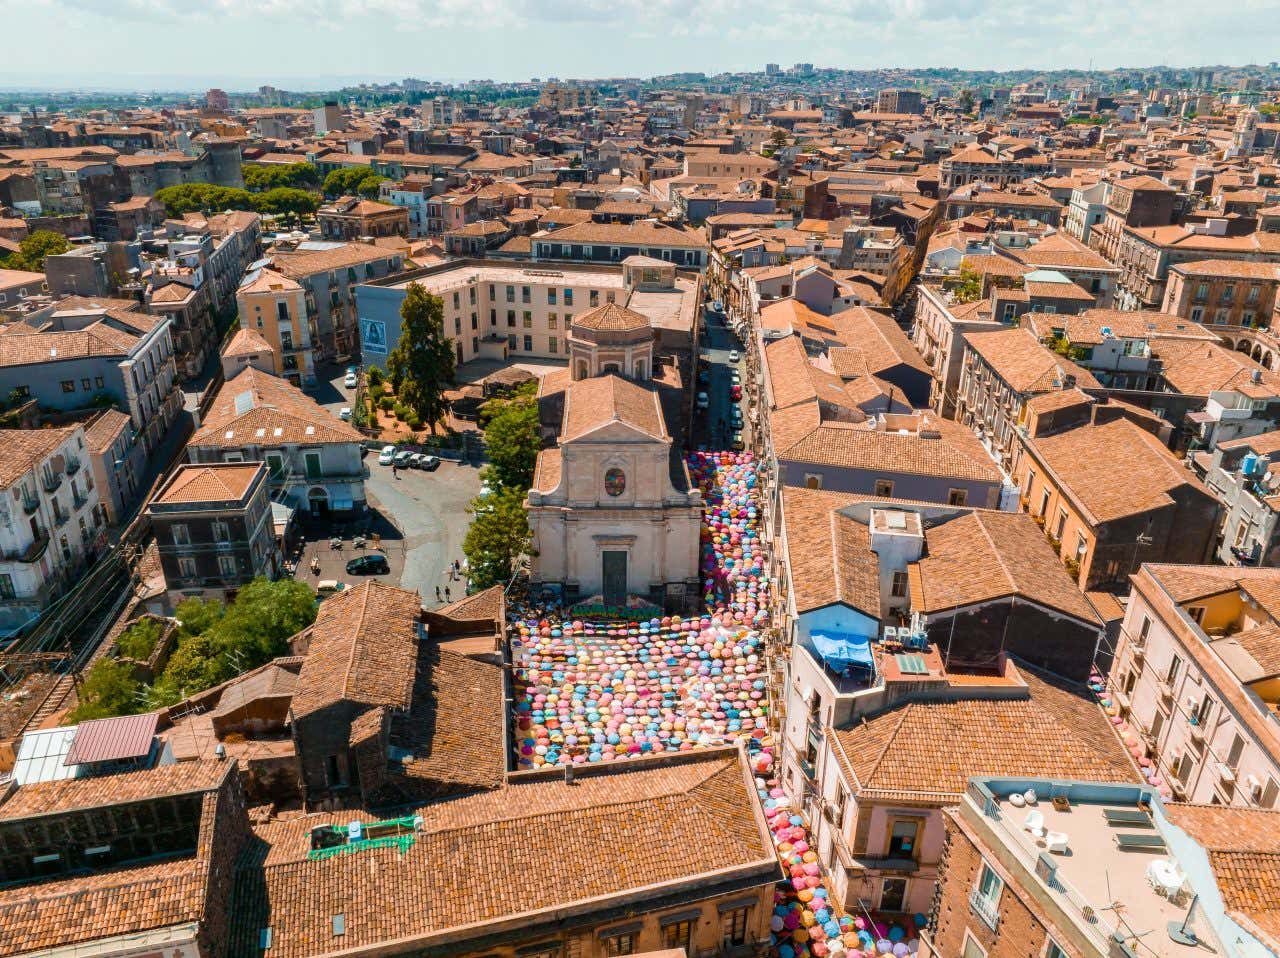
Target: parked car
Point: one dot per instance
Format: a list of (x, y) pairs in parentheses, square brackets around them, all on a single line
[(345, 413), (387, 455), (738, 444), (374, 563), (735, 392), (403, 459), (353, 370), (718, 306), (735, 417), (351, 380), (733, 356), (703, 400), (704, 375), (735, 377), (431, 463)]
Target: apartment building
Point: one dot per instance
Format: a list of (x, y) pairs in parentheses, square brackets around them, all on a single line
[(998, 163), (329, 274), (350, 218), (502, 311), (615, 242), (77, 352), (1110, 496), (51, 523), (1230, 293), (313, 458), (900, 101), (1195, 677), (274, 307), (938, 331), (1059, 866)]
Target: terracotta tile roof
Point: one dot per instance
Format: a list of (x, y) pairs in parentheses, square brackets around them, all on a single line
[(641, 233), (631, 828), (1112, 470), (985, 555), (592, 403), (945, 450), (486, 604), (25, 449), (935, 747), (21, 346), (546, 474), (1244, 853), (103, 430), (829, 555), (247, 342), (1199, 368), (303, 263), (611, 317), (1238, 269), (215, 482), (1085, 328), (275, 413), (364, 645), (793, 379), (59, 797), (1022, 362)]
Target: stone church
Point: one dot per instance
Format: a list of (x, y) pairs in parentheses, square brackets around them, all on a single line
[(612, 508)]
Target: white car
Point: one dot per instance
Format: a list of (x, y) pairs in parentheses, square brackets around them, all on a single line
[(387, 455), (351, 381), (733, 356), (345, 413)]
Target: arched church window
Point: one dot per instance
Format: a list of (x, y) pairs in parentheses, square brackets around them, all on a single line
[(615, 481)]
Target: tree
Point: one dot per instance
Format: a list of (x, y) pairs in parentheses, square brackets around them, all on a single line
[(970, 286), (368, 185), (139, 640), (109, 689), (512, 438), (297, 175), (203, 197), (964, 102), (498, 535), (778, 138), (353, 180), (197, 615), (422, 364), (33, 250), (287, 200)]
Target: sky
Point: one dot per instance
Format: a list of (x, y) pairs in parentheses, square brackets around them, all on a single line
[(316, 44)]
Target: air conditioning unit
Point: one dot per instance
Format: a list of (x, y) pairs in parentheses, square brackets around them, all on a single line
[(891, 633), (1226, 773)]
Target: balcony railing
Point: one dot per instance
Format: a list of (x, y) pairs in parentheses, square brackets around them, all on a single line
[(30, 504), (73, 465), (985, 909), (31, 553), (51, 481)]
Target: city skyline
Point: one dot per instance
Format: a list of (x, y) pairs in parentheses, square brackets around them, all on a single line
[(516, 40)]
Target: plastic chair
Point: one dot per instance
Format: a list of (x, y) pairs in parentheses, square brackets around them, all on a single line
[(1056, 841), (1034, 822)]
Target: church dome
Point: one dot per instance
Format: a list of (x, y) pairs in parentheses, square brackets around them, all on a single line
[(612, 323)]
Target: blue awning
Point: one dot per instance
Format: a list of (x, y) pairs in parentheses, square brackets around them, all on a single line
[(842, 649)]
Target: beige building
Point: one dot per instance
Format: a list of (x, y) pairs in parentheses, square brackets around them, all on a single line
[(612, 509), (275, 308)]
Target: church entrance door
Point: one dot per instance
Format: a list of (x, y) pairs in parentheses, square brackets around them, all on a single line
[(614, 569)]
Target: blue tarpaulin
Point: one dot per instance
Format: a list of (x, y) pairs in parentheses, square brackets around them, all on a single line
[(842, 649)]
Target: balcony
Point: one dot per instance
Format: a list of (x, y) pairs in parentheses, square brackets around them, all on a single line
[(907, 865), (1166, 690), (985, 909), (51, 481), (73, 465), (30, 504), (60, 518), (80, 499), (31, 553)]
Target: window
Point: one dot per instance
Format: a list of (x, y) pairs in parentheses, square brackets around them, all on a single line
[(511, 294), (526, 295), (68, 385), (676, 934), (1197, 613), (622, 944), (893, 894), (528, 344), (1051, 950), (86, 384), (227, 565), (475, 322), (568, 297), (971, 947), (733, 926), (1202, 291), (336, 776), (1044, 503), (1082, 546), (1254, 293), (1269, 794), (986, 896), (813, 480), (98, 382), (457, 300), (593, 298), (1236, 750), (903, 835), (552, 345), (551, 295), (186, 567), (6, 586), (275, 465), (551, 320), (221, 532), (471, 295), (312, 460), (957, 497), (511, 317), (899, 589), (181, 535), (884, 488), (526, 319)]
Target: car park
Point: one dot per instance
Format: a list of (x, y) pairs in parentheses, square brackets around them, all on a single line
[(387, 455), (374, 563)]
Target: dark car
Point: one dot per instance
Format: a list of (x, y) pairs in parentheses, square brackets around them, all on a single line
[(371, 564)]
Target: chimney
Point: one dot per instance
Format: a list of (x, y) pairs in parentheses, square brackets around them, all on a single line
[(568, 774)]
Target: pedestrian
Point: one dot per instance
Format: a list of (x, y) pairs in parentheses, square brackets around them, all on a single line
[(395, 472), (438, 599), (447, 596)]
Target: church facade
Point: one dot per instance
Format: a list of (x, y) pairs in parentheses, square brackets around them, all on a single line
[(613, 512)]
